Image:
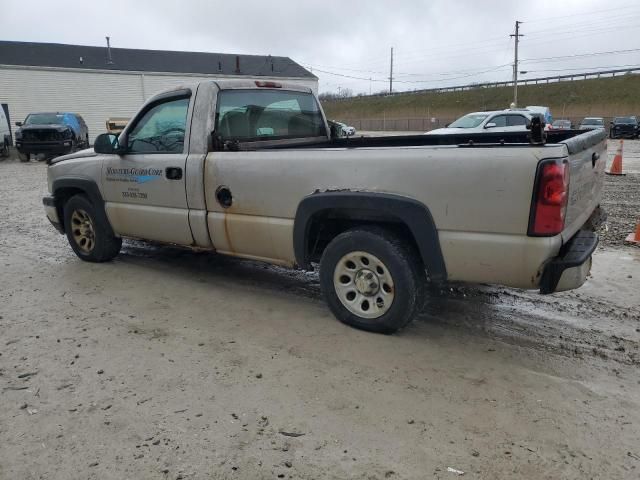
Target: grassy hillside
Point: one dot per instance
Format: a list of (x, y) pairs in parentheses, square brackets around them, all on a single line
[(599, 97)]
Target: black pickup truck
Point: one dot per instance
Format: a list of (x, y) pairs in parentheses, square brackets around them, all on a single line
[(52, 134), (624, 127)]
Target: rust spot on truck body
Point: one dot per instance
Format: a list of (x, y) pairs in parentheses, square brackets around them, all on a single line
[(227, 236)]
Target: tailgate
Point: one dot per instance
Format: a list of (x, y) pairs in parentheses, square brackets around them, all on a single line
[(587, 157)]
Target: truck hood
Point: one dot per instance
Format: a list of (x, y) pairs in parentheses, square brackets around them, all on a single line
[(52, 126), (86, 153)]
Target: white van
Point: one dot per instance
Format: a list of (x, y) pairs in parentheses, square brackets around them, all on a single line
[(5, 134)]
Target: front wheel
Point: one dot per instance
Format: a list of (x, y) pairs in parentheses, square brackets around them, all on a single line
[(372, 279), (90, 238), (24, 157)]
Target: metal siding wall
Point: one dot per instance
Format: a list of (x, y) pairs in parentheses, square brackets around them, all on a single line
[(94, 95)]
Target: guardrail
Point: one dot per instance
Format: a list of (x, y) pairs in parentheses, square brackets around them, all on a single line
[(528, 81)]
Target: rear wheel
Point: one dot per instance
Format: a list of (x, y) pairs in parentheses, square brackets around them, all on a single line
[(4, 152), (90, 238), (372, 280), (24, 157)]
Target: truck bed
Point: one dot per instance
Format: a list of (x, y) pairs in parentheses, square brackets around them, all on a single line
[(576, 140)]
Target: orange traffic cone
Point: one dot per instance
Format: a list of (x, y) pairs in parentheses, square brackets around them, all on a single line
[(634, 237), (616, 166)]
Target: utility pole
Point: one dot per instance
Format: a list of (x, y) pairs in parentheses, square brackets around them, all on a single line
[(517, 36), (391, 74)]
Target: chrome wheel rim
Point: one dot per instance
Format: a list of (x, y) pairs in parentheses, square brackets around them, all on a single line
[(83, 231), (364, 284)]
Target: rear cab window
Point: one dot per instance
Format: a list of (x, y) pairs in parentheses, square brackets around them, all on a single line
[(247, 115)]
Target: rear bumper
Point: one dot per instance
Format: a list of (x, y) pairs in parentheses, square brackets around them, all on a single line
[(51, 211), (570, 268), (55, 147)]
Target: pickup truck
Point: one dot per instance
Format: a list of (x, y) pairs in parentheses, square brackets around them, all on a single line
[(51, 133), (253, 170)]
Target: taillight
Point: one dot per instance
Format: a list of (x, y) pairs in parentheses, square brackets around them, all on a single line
[(550, 199)]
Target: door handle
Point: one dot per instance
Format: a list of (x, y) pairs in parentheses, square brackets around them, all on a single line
[(173, 173)]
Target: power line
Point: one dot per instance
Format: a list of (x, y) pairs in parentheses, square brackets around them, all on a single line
[(409, 56), (579, 55), (584, 69), (581, 14)]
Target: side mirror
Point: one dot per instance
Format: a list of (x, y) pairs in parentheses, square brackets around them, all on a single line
[(18, 124), (107, 143), (447, 125), (490, 125), (336, 130)]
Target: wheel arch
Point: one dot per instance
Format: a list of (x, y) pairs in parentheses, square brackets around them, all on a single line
[(63, 189), (352, 208)]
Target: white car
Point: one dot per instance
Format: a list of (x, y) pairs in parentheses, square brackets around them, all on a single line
[(592, 123), (496, 121), (347, 130)]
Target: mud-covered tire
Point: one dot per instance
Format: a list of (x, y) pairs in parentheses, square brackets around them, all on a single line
[(90, 238), (395, 272)]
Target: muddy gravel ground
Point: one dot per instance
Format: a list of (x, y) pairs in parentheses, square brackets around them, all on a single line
[(168, 364)]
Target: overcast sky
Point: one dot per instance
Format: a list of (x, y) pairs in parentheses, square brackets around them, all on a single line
[(436, 42)]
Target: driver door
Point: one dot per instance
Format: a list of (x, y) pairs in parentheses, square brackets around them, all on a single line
[(144, 189)]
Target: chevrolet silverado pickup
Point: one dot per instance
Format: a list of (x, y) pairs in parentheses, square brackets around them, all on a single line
[(254, 170)]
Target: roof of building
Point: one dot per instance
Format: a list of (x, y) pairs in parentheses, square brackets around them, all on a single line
[(128, 59)]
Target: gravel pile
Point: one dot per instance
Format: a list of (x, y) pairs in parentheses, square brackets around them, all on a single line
[(621, 200)]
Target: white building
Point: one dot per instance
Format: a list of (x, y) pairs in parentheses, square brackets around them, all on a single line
[(99, 83)]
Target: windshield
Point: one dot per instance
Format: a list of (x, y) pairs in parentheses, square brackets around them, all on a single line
[(592, 121), (625, 120), (268, 115), (44, 119), (469, 121)]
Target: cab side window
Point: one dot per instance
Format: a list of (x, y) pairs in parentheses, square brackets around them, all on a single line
[(516, 120), (500, 120), (161, 129)]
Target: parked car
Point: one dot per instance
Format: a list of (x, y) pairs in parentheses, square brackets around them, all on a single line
[(251, 170), (116, 124), (592, 123), (5, 134), (494, 121), (51, 134), (347, 130), (624, 127), (562, 125)]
